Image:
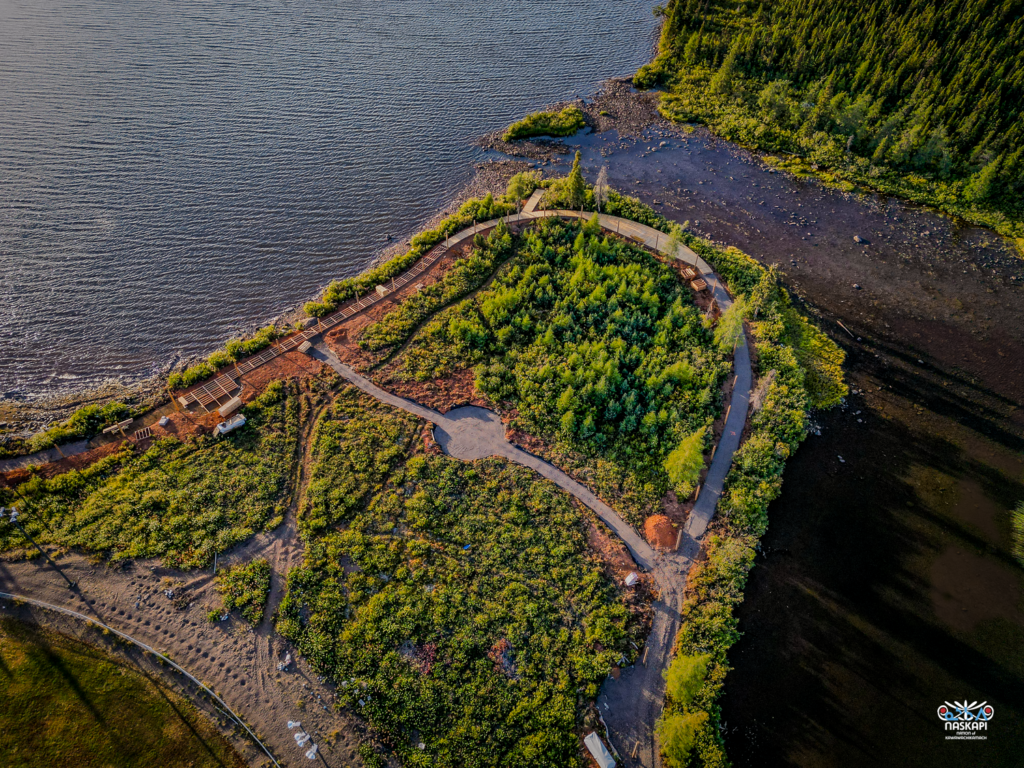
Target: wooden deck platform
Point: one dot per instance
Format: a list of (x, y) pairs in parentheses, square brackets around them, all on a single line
[(209, 395)]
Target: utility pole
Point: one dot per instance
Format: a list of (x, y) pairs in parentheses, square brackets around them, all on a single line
[(14, 520), (22, 497)]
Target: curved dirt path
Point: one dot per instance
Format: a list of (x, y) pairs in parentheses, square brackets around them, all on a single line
[(631, 704), (148, 649)]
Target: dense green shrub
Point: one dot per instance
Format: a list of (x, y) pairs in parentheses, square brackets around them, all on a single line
[(465, 275), (596, 345), (570, 192), (916, 99), (245, 587), (86, 422), (564, 123), (678, 733), (684, 678), (233, 351), (685, 462), (180, 500), (457, 601), (729, 330), (522, 185)]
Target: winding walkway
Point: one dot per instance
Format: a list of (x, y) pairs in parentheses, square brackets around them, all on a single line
[(218, 701), (632, 703)]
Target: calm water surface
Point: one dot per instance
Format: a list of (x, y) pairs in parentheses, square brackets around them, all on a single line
[(173, 173)]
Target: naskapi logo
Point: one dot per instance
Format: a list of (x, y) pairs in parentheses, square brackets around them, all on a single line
[(966, 722)]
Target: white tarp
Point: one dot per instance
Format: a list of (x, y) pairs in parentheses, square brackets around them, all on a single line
[(599, 751), (230, 406)]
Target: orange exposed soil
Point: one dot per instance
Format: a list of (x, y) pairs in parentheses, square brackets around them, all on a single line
[(443, 394), (343, 339), (660, 532)]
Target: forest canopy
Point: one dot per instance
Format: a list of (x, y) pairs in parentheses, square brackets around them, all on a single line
[(915, 97), (596, 345)]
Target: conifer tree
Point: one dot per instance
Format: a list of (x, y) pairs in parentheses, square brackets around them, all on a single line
[(575, 187)]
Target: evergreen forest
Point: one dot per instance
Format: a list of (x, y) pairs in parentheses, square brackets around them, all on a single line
[(912, 97)]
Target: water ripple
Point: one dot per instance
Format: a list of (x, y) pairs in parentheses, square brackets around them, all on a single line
[(172, 173)]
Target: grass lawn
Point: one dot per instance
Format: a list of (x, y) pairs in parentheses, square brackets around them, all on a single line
[(63, 703)]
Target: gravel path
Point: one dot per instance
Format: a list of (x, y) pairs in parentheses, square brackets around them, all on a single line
[(631, 704), (129, 598)]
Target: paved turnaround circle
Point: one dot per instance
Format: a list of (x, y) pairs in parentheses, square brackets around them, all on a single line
[(631, 704)]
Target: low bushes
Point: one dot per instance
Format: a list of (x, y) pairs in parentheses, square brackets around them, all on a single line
[(245, 587), (802, 369), (465, 276), (475, 210), (86, 422), (457, 602), (564, 123), (233, 351), (181, 500)]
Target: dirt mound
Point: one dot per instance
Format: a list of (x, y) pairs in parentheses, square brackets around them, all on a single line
[(659, 532)]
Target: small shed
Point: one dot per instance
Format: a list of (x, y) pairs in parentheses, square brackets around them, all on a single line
[(699, 284), (599, 751), (381, 290), (230, 406), (305, 346), (632, 578)]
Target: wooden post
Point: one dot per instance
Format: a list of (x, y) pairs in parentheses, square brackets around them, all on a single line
[(59, 451)]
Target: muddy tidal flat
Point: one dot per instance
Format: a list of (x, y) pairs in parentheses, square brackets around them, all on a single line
[(885, 585)]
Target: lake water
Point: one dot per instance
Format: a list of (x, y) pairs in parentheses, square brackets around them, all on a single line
[(174, 173)]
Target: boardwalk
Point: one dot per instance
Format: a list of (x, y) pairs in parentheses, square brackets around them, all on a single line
[(632, 704)]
